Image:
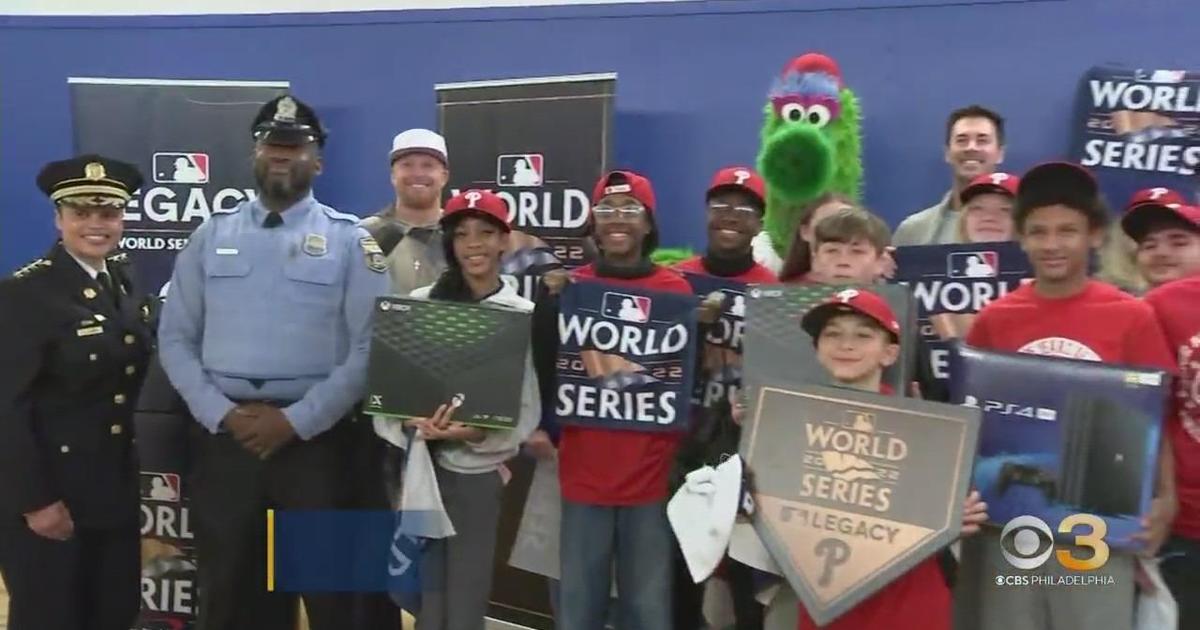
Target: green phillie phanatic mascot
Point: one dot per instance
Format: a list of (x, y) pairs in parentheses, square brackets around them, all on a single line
[(809, 147)]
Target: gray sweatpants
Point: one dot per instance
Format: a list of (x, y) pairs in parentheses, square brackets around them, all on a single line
[(981, 604), (456, 572)]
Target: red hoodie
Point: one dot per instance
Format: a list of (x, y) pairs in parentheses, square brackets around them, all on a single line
[(616, 467)]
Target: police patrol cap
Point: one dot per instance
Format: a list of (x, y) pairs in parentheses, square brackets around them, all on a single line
[(995, 183), (856, 301), (89, 180), (1062, 183), (739, 178), (476, 202), (287, 121)]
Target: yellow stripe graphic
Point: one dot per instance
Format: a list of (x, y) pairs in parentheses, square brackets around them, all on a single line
[(270, 551)]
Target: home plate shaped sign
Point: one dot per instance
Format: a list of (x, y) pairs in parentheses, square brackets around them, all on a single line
[(853, 489)]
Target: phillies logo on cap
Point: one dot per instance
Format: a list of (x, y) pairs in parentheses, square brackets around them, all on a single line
[(846, 295), (1158, 193), (740, 176), (473, 198), (999, 178)]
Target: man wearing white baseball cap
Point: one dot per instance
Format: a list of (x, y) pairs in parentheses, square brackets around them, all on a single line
[(407, 229)]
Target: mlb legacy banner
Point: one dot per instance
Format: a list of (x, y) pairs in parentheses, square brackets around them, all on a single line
[(1078, 436), (540, 143), (191, 141), (854, 489), (951, 284), (1138, 129), (427, 353), (625, 357)]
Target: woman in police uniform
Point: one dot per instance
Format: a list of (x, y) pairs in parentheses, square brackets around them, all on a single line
[(76, 342)]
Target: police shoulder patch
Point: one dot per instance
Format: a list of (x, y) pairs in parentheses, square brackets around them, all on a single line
[(376, 261), (40, 263)]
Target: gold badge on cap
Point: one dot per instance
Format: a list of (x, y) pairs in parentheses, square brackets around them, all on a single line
[(285, 110), (315, 245), (94, 171)]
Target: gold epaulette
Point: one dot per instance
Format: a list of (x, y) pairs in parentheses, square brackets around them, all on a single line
[(41, 263)]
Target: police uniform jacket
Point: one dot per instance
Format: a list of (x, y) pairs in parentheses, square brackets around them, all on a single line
[(73, 365)]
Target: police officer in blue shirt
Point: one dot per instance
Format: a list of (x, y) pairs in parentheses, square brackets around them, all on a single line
[(265, 335)]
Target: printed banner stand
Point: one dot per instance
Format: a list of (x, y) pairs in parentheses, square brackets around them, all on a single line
[(508, 136), (852, 489), (1136, 128), (1076, 437), (191, 141)]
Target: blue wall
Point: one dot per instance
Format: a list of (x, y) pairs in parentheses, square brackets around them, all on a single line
[(692, 80)]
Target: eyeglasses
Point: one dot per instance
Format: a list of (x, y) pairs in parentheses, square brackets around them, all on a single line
[(625, 212), (726, 210)]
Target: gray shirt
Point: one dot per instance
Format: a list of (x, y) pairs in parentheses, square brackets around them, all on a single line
[(414, 253), (935, 225)]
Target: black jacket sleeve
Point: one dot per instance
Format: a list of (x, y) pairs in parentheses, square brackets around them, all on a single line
[(544, 339), (24, 475)]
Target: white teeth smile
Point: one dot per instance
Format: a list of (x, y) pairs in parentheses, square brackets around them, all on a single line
[(93, 238), (729, 232)]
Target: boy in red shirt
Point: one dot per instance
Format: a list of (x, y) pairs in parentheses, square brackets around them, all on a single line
[(1060, 219), (614, 482), (1167, 233), (1177, 305), (735, 205)]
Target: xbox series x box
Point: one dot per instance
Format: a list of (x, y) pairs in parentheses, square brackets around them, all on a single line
[(777, 351), (1063, 437), (427, 353)]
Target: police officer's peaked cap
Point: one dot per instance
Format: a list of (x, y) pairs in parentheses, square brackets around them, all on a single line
[(89, 180), (286, 120)]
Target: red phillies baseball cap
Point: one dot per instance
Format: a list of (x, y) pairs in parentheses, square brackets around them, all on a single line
[(1154, 196), (477, 201), (858, 301), (1140, 218), (998, 183), (625, 183), (741, 177)]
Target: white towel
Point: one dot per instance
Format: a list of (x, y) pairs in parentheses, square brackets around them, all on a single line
[(702, 514)]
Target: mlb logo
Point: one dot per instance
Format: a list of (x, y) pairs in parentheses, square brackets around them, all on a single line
[(181, 168), (973, 265), (860, 421), (520, 169), (160, 486), (625, 307)]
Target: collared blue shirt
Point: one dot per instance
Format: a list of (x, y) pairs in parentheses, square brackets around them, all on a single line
[(282, 313)]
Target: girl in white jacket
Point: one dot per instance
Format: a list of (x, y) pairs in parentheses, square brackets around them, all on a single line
[(456, 572)]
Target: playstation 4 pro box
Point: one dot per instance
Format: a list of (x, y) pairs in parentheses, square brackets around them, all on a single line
[(1063, 437)]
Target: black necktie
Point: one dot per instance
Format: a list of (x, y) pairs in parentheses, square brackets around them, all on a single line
[(273, 220), (106, 283)]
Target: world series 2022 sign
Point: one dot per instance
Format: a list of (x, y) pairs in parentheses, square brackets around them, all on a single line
[(855, 489)]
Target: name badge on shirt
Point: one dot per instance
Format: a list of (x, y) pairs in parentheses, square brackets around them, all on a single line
[(89, 331), (315, 245), (227, 251)]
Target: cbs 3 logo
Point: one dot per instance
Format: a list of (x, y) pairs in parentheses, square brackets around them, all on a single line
[(1027, 542)]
